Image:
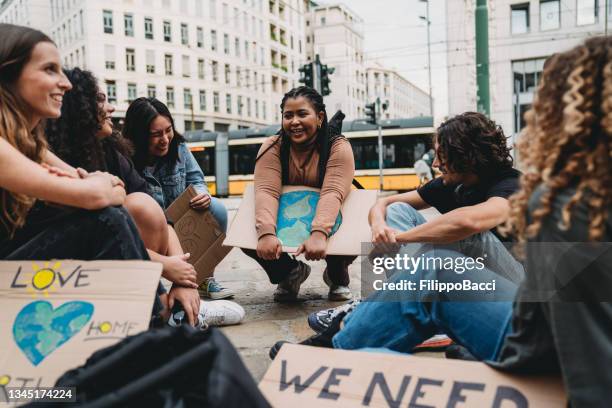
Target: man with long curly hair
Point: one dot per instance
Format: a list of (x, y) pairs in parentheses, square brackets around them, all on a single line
[(471, 193)]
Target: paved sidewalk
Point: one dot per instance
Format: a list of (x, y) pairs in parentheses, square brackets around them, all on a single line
[(267, 321)]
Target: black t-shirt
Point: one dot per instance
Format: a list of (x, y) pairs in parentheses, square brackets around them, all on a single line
[(447, 198)]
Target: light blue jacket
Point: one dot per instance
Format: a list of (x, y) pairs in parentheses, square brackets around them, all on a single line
[(166, 182)]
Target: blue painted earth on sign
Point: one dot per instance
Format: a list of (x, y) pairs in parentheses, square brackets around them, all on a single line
[(39, 329), (296, 210)]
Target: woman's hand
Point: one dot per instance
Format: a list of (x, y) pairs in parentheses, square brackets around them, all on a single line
[(200, 202), (189, 298), (269, 247), (315, 247), (177, 270), (110, 187)]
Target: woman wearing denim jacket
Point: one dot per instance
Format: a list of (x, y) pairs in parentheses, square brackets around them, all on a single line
[(164, 160)]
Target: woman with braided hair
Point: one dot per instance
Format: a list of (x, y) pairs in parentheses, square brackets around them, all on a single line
[(304, 153)]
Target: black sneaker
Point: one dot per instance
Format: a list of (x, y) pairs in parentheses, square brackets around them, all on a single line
[(321, 320), (323, 339)]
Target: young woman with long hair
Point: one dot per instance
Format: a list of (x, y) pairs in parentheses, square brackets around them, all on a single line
[(304, 153), (162, 157), (32, 86)]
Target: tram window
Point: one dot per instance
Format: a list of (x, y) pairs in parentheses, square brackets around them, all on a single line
[(242, 158), (398, 151), (206, 160)]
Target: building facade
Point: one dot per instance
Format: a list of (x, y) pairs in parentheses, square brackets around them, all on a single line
[(335, 33), (522, 34), (217, 64), (403, 98)]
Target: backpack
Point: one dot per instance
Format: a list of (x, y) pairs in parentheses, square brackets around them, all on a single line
[(168, 367)]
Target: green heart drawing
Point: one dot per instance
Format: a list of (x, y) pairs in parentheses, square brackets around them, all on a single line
[(39, 329)]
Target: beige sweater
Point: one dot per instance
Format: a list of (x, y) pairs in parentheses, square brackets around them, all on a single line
[(303, 171)]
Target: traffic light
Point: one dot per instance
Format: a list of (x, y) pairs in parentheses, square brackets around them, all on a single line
[(370, 112), (325, 73), (306, 75)]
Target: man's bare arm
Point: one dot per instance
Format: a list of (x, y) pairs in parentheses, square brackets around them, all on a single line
[(460, 223), (380, 231)]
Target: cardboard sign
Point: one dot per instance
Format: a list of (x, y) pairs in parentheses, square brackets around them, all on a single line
[(353, 229), (303, 376), (55, 314), (199, 234)]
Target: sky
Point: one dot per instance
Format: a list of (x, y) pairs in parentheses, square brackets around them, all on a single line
[(395, 36)]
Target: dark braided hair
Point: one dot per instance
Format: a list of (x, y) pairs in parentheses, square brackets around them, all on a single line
[(473, 143), (72, 136), (326, 135)]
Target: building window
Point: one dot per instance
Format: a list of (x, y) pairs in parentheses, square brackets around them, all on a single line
[(200, 37), (216, 101), (148, 28), (107, 18), (168, 64), (239, 105), (520, 18), (248, 106), (131, 91), (167, 31), (226, 44), (227, 74), (213, 40), (150, 61), (264, 110), (322, 20), (202, 100), (186, 66), (215, 71), (109, 56), (237, 46), (128, 22), (130, 59), (228, 103), (151, 92), (257, 108), (550, 16), (184, 34), (187, 98), (200, 68), (111, 91), (213, 9), (238, 79), (170, 97), (526, 76), (586, 12)]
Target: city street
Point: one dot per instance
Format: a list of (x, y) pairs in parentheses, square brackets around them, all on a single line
[(267, 321)]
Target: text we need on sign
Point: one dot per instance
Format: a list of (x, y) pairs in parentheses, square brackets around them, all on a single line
[(303, 376)]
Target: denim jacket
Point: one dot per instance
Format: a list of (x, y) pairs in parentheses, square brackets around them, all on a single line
[(167, 182)]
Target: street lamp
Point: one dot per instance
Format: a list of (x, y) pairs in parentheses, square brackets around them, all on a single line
[(428, 22)]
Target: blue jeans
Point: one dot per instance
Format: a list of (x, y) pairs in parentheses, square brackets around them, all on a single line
[(218, 210), (481, 326)]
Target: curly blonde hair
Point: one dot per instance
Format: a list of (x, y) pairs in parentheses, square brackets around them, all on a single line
[(15, 51), (567, 142)]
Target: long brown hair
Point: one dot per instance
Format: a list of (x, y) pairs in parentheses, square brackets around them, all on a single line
[(15, 52), (567, 142)]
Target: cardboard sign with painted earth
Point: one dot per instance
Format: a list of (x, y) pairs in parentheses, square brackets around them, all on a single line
[(296, 211)]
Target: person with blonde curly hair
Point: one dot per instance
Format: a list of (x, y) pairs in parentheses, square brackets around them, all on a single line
[(558, 319)]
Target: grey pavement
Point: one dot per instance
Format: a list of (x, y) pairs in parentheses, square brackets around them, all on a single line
[(267, 321)]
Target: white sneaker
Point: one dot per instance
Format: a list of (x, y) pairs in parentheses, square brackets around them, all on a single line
[(220, 313), (336, 292)]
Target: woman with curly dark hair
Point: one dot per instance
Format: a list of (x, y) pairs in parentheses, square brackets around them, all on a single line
[(83, 136)]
